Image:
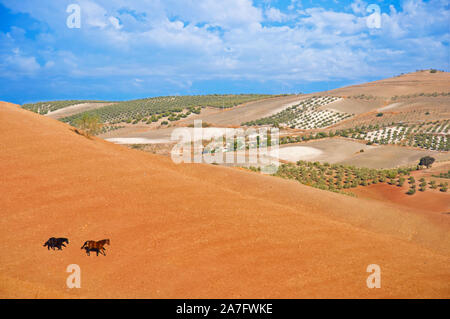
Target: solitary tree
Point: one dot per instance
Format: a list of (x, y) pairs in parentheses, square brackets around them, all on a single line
[(426, 161)]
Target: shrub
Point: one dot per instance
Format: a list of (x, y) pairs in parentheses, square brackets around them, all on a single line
[(88, 124)]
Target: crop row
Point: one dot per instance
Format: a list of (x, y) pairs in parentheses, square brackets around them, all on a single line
[(169, 107), (305, 115), (340, 177), (404, 135)]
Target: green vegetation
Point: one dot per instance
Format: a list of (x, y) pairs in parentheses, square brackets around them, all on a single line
[(88, 125), (305, 115), (45, 107), (171, 108), (339, 177), (429, 135), (443, 175), (426, 161), (410, 96)]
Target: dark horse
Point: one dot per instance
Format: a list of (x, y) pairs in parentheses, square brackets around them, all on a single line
[(56, 243), (97, 246)]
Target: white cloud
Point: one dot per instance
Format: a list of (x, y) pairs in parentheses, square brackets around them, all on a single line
[(115, 23), (359, 7), (273, 14), (205, 39), (17, 64)]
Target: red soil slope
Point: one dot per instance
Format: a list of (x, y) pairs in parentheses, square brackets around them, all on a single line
[(194, 230), (428, 202)]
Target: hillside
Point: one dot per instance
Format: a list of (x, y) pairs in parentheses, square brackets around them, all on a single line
[(406, 84), (194, 231)]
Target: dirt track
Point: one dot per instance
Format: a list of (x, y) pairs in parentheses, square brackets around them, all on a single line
[(194, 230)]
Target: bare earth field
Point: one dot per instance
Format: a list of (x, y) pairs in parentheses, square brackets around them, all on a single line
[(194, 231), (250, 111), (411, 83), (352, 106), (430, 201), (75, 109), (346, 151), (414, 110)]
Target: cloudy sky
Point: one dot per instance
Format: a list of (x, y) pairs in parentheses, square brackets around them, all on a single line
[(143, 48)]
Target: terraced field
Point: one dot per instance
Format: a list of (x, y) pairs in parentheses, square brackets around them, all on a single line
[(306, 115)]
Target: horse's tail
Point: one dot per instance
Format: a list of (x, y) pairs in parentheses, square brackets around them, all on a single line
[(85, 243)]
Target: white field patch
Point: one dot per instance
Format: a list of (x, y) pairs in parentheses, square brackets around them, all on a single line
[(297, 153), (136, 140)]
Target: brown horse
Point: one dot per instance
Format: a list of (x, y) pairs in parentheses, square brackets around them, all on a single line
[(97, 246)]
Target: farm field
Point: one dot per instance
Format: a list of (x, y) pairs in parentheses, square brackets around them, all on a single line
[(221, 118), (53, 106), (354, 106), (249, 111), (75, 109), (170, 108), (310, 113), (283, 240), (412, 110), (346, 151), (407, 84)]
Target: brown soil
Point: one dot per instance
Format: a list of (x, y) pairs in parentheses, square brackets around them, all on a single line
[(187, 231), (411, 83), (430, 201)]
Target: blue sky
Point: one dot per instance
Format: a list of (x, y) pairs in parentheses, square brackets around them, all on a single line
[(143, 48)]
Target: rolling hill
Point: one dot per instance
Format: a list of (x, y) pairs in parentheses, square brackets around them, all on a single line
[(194, 231)]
